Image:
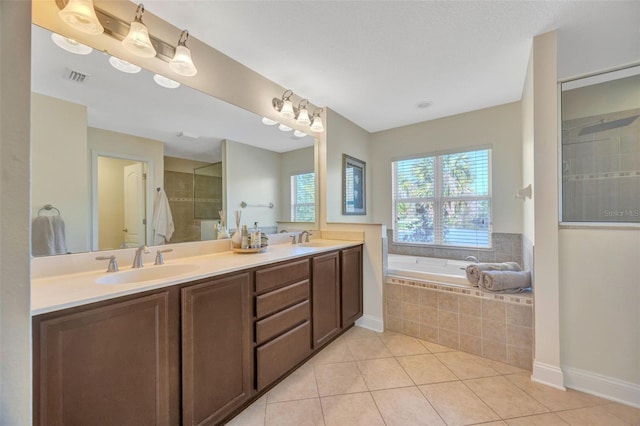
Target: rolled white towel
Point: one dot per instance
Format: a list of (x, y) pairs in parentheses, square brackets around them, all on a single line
[(505, 281), (474, 270)]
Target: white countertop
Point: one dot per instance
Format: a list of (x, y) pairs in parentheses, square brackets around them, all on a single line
[(58, 292)]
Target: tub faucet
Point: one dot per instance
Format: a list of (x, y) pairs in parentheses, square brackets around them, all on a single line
[(306, 234), (471, 259), (137, 259)]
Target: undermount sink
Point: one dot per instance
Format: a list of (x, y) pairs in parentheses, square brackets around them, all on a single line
[(146, 274), (318, 243)]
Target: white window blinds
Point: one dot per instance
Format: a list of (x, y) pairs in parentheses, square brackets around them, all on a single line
[(303, 197), (443, 199)]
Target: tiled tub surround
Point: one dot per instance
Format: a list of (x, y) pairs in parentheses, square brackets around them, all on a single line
[(506, 248), (495, 326)]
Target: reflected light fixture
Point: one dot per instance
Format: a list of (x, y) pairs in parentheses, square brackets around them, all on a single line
[(81, 15), (285, 128), (316, 121), (268, 121), (299, 134), (302, 115), (124, 66), (70, 45), (138, 41), (182, 63), (165, 82), (284, 106)]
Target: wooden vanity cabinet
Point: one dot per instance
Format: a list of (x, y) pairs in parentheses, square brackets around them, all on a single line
[(217, 362), (108, 363), (351, 285), (325, 297), (282, 312)]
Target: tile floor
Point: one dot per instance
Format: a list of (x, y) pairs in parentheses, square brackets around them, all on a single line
[(368, 378)]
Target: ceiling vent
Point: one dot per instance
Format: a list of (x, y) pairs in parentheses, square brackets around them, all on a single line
[(76, 76)]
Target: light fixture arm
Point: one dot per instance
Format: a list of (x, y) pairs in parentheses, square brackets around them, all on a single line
[(184, 36), (277, 103), (139, 13)]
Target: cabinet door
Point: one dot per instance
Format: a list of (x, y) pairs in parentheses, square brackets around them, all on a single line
[(325, 297), (351, 284), (216, 348), (105, 365)]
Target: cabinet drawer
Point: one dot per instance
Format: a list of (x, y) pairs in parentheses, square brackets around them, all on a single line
[(280, 355), (282, 298), (270, 327), (270, 278)]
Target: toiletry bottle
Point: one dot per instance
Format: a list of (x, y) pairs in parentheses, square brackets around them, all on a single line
[(255, 236), (244, 243)]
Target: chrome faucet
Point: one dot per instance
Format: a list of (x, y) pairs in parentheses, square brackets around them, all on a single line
[(137, 259), (306, 234)]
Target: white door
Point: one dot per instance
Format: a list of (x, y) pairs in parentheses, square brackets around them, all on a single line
[(134, 205)]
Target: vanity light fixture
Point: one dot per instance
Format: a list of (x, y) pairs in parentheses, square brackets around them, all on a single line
[(268, 121), (165, 82), (302, 115), (138, 41), (81, 15), (124, 66), (70, 45), (182, 63), (316, 121), (284, 106)]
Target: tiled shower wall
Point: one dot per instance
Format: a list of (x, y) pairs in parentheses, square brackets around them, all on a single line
[(506, 248), (498, 327)]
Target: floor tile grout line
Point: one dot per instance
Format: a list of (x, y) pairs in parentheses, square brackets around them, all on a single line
[(482, 400)]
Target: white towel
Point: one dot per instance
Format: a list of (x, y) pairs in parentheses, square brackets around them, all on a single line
[(48, 236), (162, 219)]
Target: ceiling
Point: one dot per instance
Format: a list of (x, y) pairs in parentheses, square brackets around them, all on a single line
[(375, 61)]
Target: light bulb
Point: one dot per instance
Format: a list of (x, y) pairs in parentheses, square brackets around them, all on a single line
[(70, 45), (287, 109), (268, 121), (285, 128), (165, 82), (81, 15), (303, 117), (316, 124), (138, 41), (182, 63), (124, 66), (299, 134)]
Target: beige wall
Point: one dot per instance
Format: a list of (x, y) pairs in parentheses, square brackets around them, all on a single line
[(498, 126), (347, 138), (182, 165), (528, 213), (59, 165), (111, 202), (15, 320), (251, 175)]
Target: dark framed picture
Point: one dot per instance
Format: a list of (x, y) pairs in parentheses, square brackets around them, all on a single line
[(353, 186)]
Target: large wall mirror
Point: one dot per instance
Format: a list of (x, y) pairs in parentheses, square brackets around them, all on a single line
[(106, 143), (601, 149)]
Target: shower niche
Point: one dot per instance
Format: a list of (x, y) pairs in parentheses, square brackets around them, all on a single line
[(600, 153)]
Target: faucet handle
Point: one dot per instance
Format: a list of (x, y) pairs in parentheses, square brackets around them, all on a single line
[(159, 257), (293, 239), (113, 263), (306, 239)]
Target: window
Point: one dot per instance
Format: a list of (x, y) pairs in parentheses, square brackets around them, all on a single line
[(303, 197), (443, 199)]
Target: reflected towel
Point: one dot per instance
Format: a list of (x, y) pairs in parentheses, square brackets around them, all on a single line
[(163, 226), (505, 281), (48, 236), (474, 270)]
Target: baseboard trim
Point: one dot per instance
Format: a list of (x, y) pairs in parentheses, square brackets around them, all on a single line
[(603, 386), (371, 322), (549, 375)]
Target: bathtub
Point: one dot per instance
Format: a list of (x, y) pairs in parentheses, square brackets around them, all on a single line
[(442, 271)]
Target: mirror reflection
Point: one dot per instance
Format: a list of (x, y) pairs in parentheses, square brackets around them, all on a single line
[(109, 146)]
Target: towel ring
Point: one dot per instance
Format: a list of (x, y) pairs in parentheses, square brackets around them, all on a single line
[(48, 207)]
